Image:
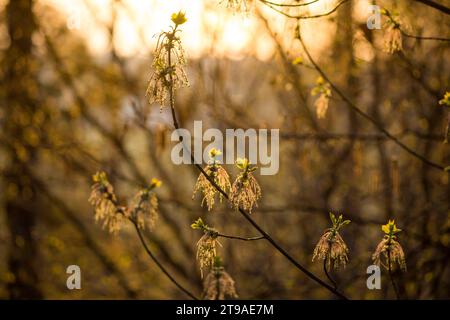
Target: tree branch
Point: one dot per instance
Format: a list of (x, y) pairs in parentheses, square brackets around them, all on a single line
[(240, 238), (391, 276)]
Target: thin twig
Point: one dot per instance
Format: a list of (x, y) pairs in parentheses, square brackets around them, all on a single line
[(159, 264), (240, 238), (327, 274), (408, 35), (391, 276), (423, 37), (305, 17), (357, 136)]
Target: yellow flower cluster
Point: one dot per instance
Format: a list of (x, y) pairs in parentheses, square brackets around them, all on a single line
[(143, 211), (168, 64), (220, 177), (389, 249)]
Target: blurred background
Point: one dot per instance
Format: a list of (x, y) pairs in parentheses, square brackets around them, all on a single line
[(72, 102)]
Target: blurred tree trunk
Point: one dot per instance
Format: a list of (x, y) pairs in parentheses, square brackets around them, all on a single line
[(20, 198), (344, 69)]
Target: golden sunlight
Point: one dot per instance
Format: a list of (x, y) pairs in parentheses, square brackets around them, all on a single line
[(211, 29)]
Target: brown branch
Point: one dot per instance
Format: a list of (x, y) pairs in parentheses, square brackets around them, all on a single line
[(327, 274), (240, 238), (423, 37), (391, 277), (408, 35), (356, 136)]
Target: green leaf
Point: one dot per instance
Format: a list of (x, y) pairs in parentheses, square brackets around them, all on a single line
[(198, 224), (333, 218), (345, 222)]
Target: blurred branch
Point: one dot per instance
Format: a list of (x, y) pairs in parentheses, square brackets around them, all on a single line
[(416, 73), (435, 5), (356, 136), (406, 34), (305, 17), (292, 71), (84, 232), (423, 37), (68, 80), (287, 4), (362, 113), (156, 261)]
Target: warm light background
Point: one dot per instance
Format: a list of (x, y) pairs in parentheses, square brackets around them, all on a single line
[(211, 28)]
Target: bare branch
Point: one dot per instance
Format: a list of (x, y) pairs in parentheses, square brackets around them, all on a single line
[(240, 238)]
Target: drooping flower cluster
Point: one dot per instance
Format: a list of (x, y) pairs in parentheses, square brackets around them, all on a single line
[(331, 248), (322, 89), (105, 203), (245, 191), (144, 208), (218, 284), (168, 64), (219, 175), (393, 41), (206, 246), (393, 34), (389, 249)]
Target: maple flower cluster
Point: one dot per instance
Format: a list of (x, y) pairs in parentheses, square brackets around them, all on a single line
[(143, 210), (244, 192), (331, 248), (389, 253)]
